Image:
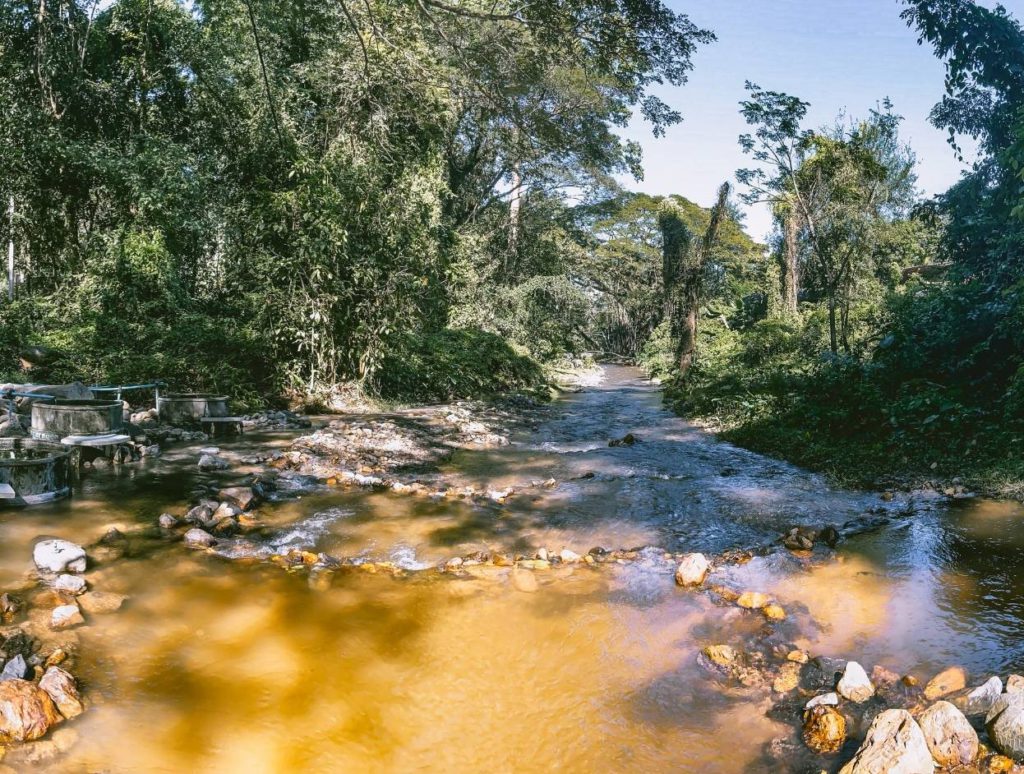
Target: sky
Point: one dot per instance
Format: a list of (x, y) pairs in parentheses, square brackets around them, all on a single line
[(839, 55)]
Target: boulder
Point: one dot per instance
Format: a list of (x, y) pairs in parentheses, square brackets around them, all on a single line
[(854, 684), (199, 538), (71, 584), (980, 700), (824, 729), (167, 521), (208, 462), (948, 735), (945, 682), (692, 570), (241, 496), (66, 617), (894, 745), (1005, 724), (1014, 683), (62, 689), (57, 555), (16, 669), (26, 711)]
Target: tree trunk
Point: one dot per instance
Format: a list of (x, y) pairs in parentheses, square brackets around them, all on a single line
[(833, 340), (790, 275)]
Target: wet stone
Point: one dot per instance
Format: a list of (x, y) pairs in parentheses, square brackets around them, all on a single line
[(821, 673), (753, 600), (824, 729), (63, 690), (981, 699), (66, 617), (787, 679), (946, 682), (692, 570), (948, 735), (167, 521), (774, 612), (59, 556), (894, 744), (10, 606), (854, 684), (1005, 724), (101, 602), (71, 584), (1014, 683), (198, 538), (16, 669), (26, 711), (720, 655), (524, 580), (823, 700)]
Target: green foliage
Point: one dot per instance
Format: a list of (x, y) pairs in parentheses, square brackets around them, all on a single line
[(451, 364)]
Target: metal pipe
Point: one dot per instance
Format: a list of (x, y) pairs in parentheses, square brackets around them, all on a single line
[(8, 394)]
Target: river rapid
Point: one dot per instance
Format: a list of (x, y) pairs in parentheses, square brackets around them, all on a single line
[(222, 666)]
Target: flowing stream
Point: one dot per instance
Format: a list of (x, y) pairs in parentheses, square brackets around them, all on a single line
[(226, 666)]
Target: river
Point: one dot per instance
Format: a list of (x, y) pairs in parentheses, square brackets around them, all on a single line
[(224, 666)]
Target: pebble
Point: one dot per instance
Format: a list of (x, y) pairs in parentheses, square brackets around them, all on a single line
[(774, 612), (824, 699), (167, 521)]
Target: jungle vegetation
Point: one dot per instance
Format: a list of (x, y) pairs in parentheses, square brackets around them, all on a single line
[(419, 196)]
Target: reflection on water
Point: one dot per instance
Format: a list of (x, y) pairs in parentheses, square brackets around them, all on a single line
[(220, 666)]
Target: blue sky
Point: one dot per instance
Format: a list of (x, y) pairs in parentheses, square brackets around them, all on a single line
[(839, 55)]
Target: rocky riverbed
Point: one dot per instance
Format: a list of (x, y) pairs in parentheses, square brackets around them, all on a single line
[(634, 594)]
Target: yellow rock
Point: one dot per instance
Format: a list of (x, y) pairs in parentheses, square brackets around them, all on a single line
[(774, 612), (945, 683), (753, 600), (799, 656), (787, 679), (720, 655), (824, 729)]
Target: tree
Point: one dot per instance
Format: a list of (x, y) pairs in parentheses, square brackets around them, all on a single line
[(683, 272)]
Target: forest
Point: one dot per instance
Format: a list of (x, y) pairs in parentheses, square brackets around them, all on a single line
[(420, 199)]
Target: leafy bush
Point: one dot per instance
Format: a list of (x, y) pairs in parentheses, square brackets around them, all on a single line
[(453, 363)]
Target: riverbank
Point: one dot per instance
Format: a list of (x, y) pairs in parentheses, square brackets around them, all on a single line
[(853, 450)]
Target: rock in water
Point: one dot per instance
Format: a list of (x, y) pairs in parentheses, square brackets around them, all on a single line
[(198, 538), (824, 729), (824, 699), (894, 745), (1005, 724), (753, 600), (692, 570), (945, 683), (524, 580), (72, 584), (61, 687), (16, 669), (26, 711), (981, 699), (59, 556), (948, 735), (168, 521), (241, 496), (854, 684), (208, 463), (66, 616), (100, 602)]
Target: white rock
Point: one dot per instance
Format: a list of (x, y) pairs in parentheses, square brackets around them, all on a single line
[(980, 700), (894, 745), (199, 538), (568, 556), (72, 584), (824, 699), (66, 616), (948, 735), (59, 556), (62, 688), (854, 684), (692, 570)]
